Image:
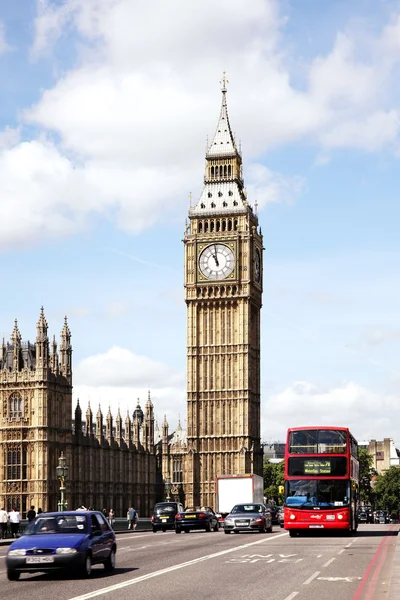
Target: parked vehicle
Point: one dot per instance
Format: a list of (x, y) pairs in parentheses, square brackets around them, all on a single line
[(248, 517), (235, 489), (196, 518), (381, 517), (72, 541), (281, 518), (362, 517), (274, 510), (163, 516)]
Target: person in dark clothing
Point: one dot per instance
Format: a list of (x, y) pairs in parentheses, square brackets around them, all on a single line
[(31, 514)]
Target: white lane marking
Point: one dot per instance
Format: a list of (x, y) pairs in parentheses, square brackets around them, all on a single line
[(292, 595), (309, 580), (189, 563), (329, 562), (336, 579), (341, 551)]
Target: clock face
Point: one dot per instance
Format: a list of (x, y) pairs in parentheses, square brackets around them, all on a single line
[(257, 266), (217, 261)]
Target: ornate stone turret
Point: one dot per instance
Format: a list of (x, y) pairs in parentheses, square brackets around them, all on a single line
[(109, 426), (42, 346), (16, 344), (54, 364), (3, 354), (78, 420), (99, 426), (137, 422), (138, 414), (128, 429), (118, 428), (89, 421), (149, 420), (66, 352)]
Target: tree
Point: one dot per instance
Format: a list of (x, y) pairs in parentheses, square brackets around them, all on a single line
[(273, 478), (387, 491), (365, 474)]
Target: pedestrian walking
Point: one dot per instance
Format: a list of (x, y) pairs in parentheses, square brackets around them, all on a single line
[(3, 523), (131, 517), (31, 514), (111, 517), (14, 518)]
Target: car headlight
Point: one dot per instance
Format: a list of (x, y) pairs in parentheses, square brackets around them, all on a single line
[(229, 521), (66, 551), (17, 552)]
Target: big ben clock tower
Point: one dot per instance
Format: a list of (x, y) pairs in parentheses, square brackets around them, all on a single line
[(223, 293)]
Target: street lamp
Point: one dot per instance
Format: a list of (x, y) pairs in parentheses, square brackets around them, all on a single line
[(167, 489), (62, 472)]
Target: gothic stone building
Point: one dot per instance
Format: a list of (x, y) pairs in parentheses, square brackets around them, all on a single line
[(109, 465)]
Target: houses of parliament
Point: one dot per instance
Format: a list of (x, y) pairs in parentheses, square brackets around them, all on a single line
[(122, 460)]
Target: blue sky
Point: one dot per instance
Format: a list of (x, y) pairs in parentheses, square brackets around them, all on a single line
[(105, 111)]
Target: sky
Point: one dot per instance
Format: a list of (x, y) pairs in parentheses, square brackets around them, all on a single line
[(106, 108)]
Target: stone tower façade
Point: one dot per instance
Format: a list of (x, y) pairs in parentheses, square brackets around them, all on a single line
[(223, 293), (111, 463)]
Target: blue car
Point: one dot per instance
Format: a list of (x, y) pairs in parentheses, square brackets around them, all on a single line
[(73, 541)]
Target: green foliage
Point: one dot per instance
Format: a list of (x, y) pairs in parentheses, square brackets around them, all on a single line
[(366, 473), (387, 491), (273, 478)]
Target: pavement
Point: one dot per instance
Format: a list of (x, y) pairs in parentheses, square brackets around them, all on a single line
[(394, 589)]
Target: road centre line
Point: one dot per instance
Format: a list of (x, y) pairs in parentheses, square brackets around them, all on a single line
[(341, 551), (292, 595), (309, 580), (189, 563), (329, 562)]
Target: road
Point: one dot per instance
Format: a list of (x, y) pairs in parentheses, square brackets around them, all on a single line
[(254, 566)]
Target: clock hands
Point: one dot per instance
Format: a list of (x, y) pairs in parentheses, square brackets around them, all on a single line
[(215, 256)]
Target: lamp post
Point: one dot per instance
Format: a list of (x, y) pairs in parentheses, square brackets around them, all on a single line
[(62, 472), (167, 486)]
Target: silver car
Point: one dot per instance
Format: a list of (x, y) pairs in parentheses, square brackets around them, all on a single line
[(248, 517)]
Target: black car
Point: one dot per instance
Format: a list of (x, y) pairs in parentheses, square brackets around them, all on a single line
[(163, 516), (71, 541), (199, 517), (363, 517), (274, 510)]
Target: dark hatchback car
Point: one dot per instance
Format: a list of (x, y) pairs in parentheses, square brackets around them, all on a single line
[(248, 517), (72, 541), (201, 517), (163, 516), (274, 510)]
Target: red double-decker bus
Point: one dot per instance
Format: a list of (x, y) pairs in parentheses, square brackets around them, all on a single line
[(321, 479)]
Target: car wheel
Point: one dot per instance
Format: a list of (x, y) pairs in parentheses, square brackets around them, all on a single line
[(226, 531), (178, 530), (87, 567), (12, 575), (154, 530), (216, 527), (163, 530), (269, 529), (207, 527), (109, 564)]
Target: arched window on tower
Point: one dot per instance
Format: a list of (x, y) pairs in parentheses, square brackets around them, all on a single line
[(229, 170), (225, 171), (15, 406), (212, 172)]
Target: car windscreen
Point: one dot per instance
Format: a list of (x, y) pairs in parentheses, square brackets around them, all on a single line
[(244, 508), (57, 524)]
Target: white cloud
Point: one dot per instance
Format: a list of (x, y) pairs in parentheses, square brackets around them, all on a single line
[(131, 118), (118, 378), (368, 415)]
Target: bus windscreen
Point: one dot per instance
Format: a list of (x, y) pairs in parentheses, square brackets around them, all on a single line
[(317, 441)]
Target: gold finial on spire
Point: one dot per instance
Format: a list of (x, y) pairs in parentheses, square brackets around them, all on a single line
[(223, 82)]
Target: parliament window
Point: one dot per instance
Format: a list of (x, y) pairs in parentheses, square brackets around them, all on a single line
[(15, 406), (15, 467)]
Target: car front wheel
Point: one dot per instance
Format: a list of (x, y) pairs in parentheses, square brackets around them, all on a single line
[(109, 564), (12, 575), (87, 567)]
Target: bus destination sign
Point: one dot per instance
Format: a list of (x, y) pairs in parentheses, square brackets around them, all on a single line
[(317, 467)]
